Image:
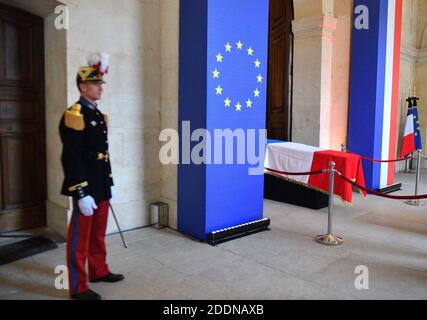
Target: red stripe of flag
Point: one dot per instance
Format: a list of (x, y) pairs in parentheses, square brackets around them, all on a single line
[(395, 90), (408, 144)]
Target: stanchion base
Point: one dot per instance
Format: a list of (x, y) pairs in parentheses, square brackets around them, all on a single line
[(416, 203), (329, 240), (390, 189)]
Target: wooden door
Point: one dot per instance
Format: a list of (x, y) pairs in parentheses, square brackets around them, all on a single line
[(279, 103), (22, 121)]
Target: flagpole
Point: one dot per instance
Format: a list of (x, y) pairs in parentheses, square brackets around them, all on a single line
[(417, 202), (330, 239)]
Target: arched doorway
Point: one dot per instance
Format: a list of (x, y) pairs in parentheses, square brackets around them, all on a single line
[(279, 97)]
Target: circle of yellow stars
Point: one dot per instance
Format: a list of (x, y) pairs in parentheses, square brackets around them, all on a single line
[(239, 46), (417, 130)]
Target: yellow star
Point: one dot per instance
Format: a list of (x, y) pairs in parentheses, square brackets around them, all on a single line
[(256, 93), (249, 103), (228, 47), (239, 45), (250, 51), (227, 102), (259, 77), (219, 57), (216, 73), (257, 63), (238, 106), (219, 90)]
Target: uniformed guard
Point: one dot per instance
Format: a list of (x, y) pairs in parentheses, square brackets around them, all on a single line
[(88, 180)]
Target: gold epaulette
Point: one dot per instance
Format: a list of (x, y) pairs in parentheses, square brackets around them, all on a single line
[(73, 119)]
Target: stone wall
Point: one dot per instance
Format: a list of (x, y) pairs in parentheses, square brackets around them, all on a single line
[(343, 11), (130, 32), (169, 97)]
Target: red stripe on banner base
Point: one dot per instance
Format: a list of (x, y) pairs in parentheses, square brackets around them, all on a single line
[(395, 91)]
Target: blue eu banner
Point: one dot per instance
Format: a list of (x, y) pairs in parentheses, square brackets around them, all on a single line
[(223, 76)]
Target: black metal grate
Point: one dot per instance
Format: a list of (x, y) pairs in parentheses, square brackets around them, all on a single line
[(26, 248), (228, 234)]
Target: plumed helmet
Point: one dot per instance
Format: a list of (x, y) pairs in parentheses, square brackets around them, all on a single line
[(97, 67)]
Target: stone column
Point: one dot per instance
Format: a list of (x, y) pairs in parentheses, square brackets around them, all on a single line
[(421, 80), (169, 11), (313, 53)]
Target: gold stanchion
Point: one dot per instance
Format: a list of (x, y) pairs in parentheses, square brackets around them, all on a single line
[(417, 202), (329, 239)]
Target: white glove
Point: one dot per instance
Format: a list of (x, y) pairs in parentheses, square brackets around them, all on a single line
[(86, 205), (111, 199)]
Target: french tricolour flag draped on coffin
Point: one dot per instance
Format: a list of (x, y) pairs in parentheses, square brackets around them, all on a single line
[(223, 73), (374, 86), (295, 157)]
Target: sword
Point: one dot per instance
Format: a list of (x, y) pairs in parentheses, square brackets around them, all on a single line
[(118, 227)]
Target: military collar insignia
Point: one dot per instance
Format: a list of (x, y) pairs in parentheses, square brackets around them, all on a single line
[(86, 103)]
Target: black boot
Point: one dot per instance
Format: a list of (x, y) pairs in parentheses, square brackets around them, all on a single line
[(110, 277), (87, 295)]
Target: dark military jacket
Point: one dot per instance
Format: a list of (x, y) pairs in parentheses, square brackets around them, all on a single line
[(85, 157)]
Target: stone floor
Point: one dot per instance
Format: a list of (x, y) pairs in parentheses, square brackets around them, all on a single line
[(388, 237)]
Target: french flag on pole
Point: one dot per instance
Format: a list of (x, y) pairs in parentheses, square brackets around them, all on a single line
[(412, 137)]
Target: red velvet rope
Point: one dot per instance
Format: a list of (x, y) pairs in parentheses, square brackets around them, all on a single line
[(297, 173), (379, 194), (369, 191), (382, 161)]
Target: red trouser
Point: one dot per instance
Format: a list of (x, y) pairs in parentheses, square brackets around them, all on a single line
[(86, 241)]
